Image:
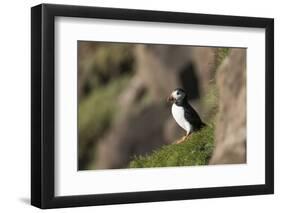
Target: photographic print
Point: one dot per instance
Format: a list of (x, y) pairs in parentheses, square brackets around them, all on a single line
[(160, 105)]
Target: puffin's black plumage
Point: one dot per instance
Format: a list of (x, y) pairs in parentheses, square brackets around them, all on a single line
[(190, 115), (189, 112)]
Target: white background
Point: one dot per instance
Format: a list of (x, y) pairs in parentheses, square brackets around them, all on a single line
[(15, 106)]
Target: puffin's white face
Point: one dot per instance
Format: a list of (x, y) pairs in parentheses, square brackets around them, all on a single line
[(176, 95)]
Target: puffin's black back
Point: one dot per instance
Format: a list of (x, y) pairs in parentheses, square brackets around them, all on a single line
[(191, 115)]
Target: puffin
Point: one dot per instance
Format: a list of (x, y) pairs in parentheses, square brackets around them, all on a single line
[(184, 114)]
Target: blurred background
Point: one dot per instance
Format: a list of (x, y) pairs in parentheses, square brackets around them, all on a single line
[(122, 91)]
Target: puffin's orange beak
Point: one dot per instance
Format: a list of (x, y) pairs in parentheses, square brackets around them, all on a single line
[(170, 99)]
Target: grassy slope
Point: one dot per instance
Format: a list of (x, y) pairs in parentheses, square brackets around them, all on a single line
[(196, 150)]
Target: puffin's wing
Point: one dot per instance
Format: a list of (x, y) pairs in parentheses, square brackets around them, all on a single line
[(192, 116)]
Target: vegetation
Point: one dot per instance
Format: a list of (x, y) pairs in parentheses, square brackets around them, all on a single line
[(209, 103), (97, 111), (105, 65), (221, 55), (195, 150)]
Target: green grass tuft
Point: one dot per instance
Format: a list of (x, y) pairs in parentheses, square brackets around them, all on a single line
[(222, 53), (196, 150), (209, 103)]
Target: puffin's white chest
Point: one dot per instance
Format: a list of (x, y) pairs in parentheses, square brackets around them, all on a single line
[(178, 114)]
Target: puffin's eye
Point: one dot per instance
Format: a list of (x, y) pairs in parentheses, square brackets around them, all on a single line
[(178, 93)]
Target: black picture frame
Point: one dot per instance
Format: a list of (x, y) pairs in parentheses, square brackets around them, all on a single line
[(43, 102)]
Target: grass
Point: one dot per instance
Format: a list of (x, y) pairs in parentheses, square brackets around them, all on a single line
[(221, 54), (194, 151), (209, 103), (97, 111)]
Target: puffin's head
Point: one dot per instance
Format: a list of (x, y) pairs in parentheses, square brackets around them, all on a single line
[(176, 95)]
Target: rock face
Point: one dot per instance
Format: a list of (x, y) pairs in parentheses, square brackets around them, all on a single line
[(204, 58), (230, 133), (131, 136), (159, 66)]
